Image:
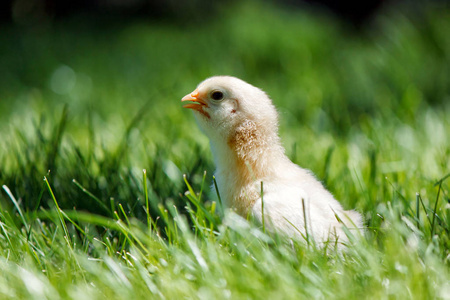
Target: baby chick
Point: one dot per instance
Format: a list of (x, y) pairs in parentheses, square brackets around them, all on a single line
[(242, 125)]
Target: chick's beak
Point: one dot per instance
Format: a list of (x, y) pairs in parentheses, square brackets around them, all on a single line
[(198, 102)]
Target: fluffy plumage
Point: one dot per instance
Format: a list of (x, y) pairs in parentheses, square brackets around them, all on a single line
[(242, 125)]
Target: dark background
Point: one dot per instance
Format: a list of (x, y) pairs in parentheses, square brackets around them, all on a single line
[(356, 13)]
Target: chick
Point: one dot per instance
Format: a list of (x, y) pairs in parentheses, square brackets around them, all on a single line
[(242, 125)]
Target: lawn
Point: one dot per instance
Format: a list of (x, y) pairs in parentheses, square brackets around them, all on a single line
[(106, 178)]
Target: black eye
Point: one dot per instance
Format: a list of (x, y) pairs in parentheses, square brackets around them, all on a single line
[(217, 95)]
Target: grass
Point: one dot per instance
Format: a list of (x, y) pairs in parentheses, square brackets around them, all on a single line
[(94, 145)]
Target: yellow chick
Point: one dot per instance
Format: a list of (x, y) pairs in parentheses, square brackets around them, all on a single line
[(242, 125)]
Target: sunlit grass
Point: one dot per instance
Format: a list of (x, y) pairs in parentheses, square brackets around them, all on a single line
[(104, 191)]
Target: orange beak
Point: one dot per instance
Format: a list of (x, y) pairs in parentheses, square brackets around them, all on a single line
[(198, 102)]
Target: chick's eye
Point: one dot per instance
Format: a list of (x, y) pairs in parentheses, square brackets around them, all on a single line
[(217, 95)]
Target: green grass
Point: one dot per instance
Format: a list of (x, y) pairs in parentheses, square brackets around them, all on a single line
[(86, 107)]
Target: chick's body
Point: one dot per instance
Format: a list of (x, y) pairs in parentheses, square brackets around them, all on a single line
[(242, 125)]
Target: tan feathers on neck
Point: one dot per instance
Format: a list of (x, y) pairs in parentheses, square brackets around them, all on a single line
[(250, 149)]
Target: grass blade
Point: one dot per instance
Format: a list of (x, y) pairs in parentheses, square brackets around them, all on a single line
[(262, 207), (60, 215), (16, 205), (97, 200)]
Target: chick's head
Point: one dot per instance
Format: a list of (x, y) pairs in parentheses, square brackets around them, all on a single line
[(223, 103)]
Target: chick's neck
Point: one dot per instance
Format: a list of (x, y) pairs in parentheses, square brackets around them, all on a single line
[(250, 155)]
